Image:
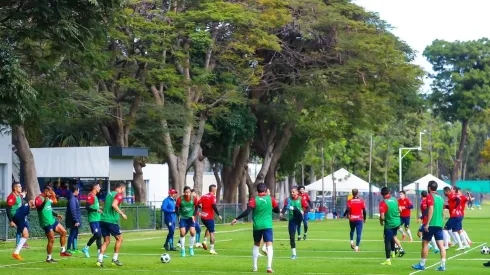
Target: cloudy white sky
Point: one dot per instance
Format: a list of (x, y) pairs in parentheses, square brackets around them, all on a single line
[(419, 22)]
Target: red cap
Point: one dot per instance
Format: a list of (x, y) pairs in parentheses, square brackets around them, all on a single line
[(172, 192)]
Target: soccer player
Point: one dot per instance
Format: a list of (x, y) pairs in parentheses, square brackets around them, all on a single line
[(390, 219), (261, 207), (294, 205), (170, 217), (73, 218), (109, 223), (196, 219), (208, 205), (17, 213), (306, 209), (433, 227), (424, 209), (462, 206), (356, 212), (186, 208), (94, 211), (405, 206), (454, 224), (50, 225)]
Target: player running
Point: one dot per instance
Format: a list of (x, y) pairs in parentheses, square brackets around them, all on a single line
[(405, 205), (170, 217), (109, 223), (196, 219), (50, 225), (390, 219), (294, 205), (462, 205), (356, 213), (208, 206), (94, 214), (454, 225), (186, 208), (261, 207), (433, 227), (306, 209), (17, 213), (424, 209)]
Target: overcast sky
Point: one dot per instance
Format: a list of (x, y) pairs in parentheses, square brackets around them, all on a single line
[(419, 22)]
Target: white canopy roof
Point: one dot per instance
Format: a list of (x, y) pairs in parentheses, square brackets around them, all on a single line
[(345, 181), (424, 182)]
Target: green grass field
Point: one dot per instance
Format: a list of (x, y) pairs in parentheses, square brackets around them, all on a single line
[(327, 251)]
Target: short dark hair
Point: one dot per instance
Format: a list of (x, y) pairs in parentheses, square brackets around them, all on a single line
[(447, 189), (355, 192), (14, 184), (385, 191), (211, 187), (294, 187), (73, 188), (47, 187), (193, 190), (120, 184), (301, 187), (403, 192), (93, 185), (456, 188), (432, 185), (261, 188), (424, 194), (187, 188)]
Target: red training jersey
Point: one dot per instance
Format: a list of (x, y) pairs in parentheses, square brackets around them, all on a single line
[(424, 208), (405, 203), (252, 202), (90, 199), (306, 199), (179, 201), (383, 207), (11, 199), (356, 205), (207, 201), (462, 203), (453, 210)]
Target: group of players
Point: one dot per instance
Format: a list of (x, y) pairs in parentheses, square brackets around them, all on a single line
[(103, 222)]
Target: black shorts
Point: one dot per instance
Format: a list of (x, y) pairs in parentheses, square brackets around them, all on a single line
[(108, 229)]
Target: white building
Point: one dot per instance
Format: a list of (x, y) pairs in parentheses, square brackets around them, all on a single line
[(5, 163)]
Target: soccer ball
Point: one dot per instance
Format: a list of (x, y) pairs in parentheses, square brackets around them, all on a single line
[(485, 250), (165, 258)]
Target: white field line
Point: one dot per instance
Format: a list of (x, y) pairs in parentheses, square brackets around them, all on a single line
[(450, 258), (18, 264)]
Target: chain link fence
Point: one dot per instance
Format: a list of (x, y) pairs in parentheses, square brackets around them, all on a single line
[(139, 218)]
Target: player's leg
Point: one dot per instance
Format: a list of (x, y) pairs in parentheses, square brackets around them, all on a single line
[(49, 247), (192, 240), (257, 235), (211, 228), (359, 226), (407, 229), (58, 228), (206, 237), (401, 229), (305, 224), (197, 226), (388, 238), (183, 231), (22, 230), (106, 235), (299, 232), (268, 239), (71, 237), (445, 233), (117, 247), (292, 226), (439, 238), (467, 237), (427, 236), (351, 234)]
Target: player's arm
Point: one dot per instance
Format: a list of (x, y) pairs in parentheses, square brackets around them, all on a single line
[(246, 212), (275, 206), (10, 202), (285, 207), (40, 202), (382, 210), (215, 209), (347, 211), (364, 214), (410, 205), (166, 207), (177, 206), (115, 205)]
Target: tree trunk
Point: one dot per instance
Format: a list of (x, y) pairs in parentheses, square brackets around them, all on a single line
[(242, 194), (24, 153), (219, 183), (199, 172), (460, 151), (232, 175), (270, 178), (252, 188), (312, 180), (139, 184)]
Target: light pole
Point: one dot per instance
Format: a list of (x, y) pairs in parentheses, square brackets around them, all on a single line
[(400, 157)]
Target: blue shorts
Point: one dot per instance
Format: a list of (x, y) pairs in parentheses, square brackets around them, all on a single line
[(108, 229), (454, 224), (50, 228), (20, 219), (405, 221), (390, 233), (421, 228), (209, 225), (95, 228), (186, 223), (434, 231), (265, 234)]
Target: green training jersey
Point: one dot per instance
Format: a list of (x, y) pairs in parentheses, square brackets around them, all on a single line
[(46, 217), (294, 203), (17, 204), (392, 215), (186, 208), (262, 213), (109, 215), (94, 215), (437, 215)]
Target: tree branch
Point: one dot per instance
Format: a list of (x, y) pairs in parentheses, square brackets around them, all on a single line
[(197, 139)]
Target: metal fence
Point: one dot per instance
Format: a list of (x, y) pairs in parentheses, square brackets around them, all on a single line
[(139, 218)]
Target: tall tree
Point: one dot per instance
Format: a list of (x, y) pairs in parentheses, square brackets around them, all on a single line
[(461, 87)]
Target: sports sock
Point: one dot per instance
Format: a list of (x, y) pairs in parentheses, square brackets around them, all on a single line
[(255, 255), (270, 253), (192, 241), (63, 249), (466, 237), (264, 247), (114, 258), (49, 257), (458, 240), (401, 231), (463, 239), (205, 240), (294, 251), (445, 234), (98, 251), (409, 233), (198, 237), (182, 242), (17, 238), (443, 262), (422, 262), (101, 257), (212, 247), (22, 241)]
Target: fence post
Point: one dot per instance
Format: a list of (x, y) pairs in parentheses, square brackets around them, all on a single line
[(137, 217), (224, 213), (4, 214), (153, 208)]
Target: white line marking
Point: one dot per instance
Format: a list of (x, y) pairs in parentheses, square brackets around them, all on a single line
[(450, 258), (9, 265)]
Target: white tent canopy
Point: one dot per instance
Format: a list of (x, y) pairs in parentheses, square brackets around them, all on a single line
[(424, 182), (345, 181)]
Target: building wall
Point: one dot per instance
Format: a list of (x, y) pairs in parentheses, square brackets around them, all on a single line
[(5, 164)]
